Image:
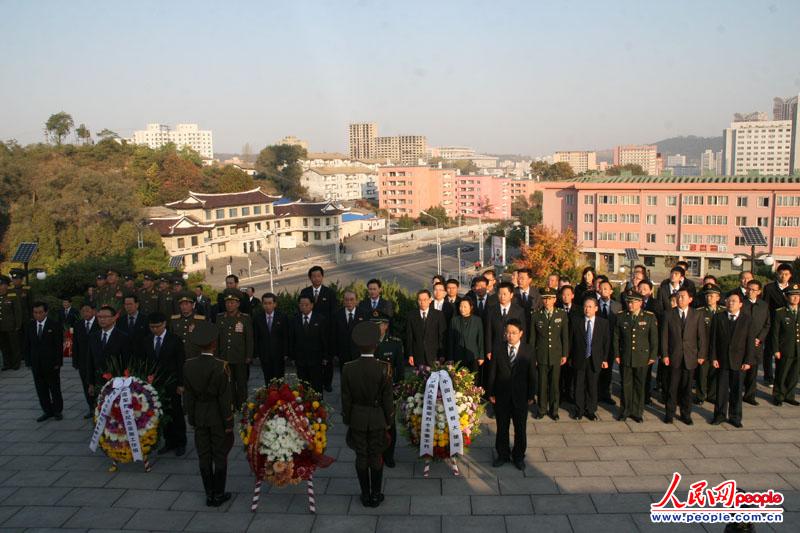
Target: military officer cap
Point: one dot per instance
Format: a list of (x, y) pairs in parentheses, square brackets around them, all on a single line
[(178, 281), (379, 317), (17, 273), (4, 280), (793, 288), (232, 294), (148, 275), (711, 288), (129, 277), (163, 277), (631, 294), (548, 293), (112, 271), (366, 334), (185, 297), (100, 276), (203, 334)]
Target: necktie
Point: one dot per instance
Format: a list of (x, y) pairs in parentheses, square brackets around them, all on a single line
[(683, 318), (374, 304), (158, 345), (732, 319), (269, 322), (480, 304), (504, 312), (604, 310), (512, 356), (88, 326), (131, 322), (105, 337), (39, 333), (588, 338), (525, 298), (424, 314), (316, 294), (349, 318), (305, 320)]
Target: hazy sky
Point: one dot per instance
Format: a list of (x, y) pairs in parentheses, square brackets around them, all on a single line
[(511, 77)]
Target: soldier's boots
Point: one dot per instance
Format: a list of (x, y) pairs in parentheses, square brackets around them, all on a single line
[(363, 481), (376, 481), (220, 496), (208, 485)]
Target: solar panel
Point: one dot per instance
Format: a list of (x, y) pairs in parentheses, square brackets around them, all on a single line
[(176, 261), (753, 236), (24, 252), (631, 254)]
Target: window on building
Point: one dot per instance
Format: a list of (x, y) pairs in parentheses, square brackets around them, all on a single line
[(741, 201), (570, 199), (787, 222), (652, 200), (316, 222), (233, 212), (328, 235), (693, 199), (672, 220), (588, 235), (181, 242), (649, 261), (716, 220), (221, 247), (220, 214), (763, 222), (305, 236), (629, 218), (651, 238), (651, 220), (207, 213), (672, 200), (288, 223), (220, 232), (741, 221), (317, 235), (570, 217), (607, 199), (258, 226), (256, 209), (194, 240), (715, 264), (669, 238), (245, 211), (763, 201), (588, 199), (305, 222), (717, 200)]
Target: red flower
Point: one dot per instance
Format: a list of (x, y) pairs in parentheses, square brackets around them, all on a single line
[(286, 393), (107, 375), (321, 413), (126, 374)]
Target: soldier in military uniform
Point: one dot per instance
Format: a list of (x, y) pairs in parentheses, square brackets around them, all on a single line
[(786, 346), (235, 344), (207, 403), (148, 294), (10, 325), (129, 285), (390, 350), (111, 292), (23, 292), (706, 375), (368, 411), (635, 346), (549, 338), (183, 323)]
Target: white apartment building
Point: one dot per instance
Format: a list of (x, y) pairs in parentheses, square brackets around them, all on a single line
[(157, 135), (645, 156), (452, 152), (341, 182), (676, 160), (580, 161), (362, 140), (767, 147)]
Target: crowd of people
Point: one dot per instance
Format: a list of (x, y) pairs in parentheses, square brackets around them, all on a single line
[(534, 350)]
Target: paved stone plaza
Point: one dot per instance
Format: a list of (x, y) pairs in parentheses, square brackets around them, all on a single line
[(581, 476)]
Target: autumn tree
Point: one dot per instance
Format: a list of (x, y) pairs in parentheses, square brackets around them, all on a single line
[(279, 164), (550, 252)]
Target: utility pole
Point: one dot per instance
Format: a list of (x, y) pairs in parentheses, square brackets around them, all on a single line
[(480, 241), (388, 224)]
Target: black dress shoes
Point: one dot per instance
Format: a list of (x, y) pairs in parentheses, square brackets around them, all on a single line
[(793, 402), (219, 499), (389, 462), (499, 462), (591, 416), (43, 417), (637, 419), (751, 401), (717, 421), (735, 423), (519, 464), (668, 419)]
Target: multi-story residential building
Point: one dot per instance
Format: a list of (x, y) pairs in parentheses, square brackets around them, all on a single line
[(523, 187), (291, 140), (676, 160), (401, 149), (580, 161), (157, 135), (666, 218), (341, 183), (362, 140), (708, 162), (407, 190), (784, 108), (487, 196), (208, 226), (452, 153), (761, 146), (645, 156)]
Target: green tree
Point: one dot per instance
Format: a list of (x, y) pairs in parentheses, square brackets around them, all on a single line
[(83, 133), (58, 126), (279, 164), (228, 179), (438, 212), (466, 166), (560, 171), (539, 169), (528, 210), (635, 170), (106, 133)]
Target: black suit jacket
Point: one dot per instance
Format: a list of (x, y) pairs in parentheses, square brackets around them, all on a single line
[(118, 346), (80, 343), (271, 344), (69, 319), (346, 350), (451, 309), (326, 302), (425, 341), (761, 322), (141, 328), (614, 307), (384, 306), (309, 345), (601, 342), (491, 299), (494, 324), (732, 348), (512, 385), (45, 353), (534, 299), (203, 307), (170, 357), (774, 297), (684, 344)]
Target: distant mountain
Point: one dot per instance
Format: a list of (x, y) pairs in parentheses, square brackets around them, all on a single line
[(691, 146)]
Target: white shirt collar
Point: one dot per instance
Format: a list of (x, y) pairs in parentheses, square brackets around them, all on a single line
[(367, 355), (515, 346), (308, 316), (505, 307), (163, 334), (734, 315), (90, 321), (108, 332), (41, 323)]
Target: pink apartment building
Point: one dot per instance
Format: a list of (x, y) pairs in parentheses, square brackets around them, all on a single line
[(487, 196), (665, 218)]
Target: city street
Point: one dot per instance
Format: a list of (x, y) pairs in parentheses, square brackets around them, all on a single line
[(581, 476)]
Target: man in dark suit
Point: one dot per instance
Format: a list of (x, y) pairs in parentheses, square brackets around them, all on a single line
[(106, 344), (344, 320), (271, 338), (608, 309), (374, 303), (425, 333), (566, 302), (731, 351), (759, 313), (510, 385), (202, 305), (479, 294), (80, 351), (439, 302), (132, 322), (163, 350), (68, 315), (309, 340), (252, 300), (590, 343), (452, 299), (744, 278), (494, 322), (44, 345), (527, 296), (324, 298), (774, 296), (670, 286), (684, 345)]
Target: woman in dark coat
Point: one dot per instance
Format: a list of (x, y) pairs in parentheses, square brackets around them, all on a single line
[(586, 286), (465, 337)]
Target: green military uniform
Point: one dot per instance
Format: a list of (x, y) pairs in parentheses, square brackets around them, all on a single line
[(110, 295), (635, 343), (148, 298), (10, 324), (24, 294), (235, 346), (182, 325), (368, 411), (390, 350), (549, 339), (167, 302), (786, 341), (706, 374), (207, 403)]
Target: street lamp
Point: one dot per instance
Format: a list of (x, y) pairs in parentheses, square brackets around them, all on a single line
[(438, 242)]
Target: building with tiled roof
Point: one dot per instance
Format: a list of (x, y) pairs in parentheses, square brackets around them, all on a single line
[(340, 183), (666, 218), (204, 226)]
